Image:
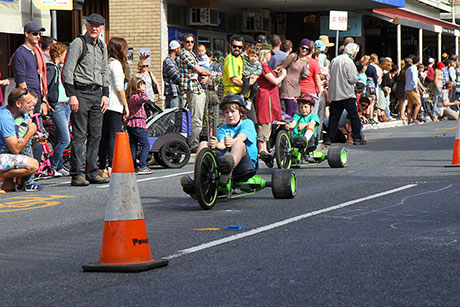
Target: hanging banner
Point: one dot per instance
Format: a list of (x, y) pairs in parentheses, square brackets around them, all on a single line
[(55, 5)]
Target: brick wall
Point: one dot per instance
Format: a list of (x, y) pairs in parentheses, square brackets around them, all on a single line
[(139, 22)]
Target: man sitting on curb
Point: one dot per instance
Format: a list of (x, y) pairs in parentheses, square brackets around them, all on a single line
[(15, 165)]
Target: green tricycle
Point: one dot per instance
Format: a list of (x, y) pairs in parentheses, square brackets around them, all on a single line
[(291, 152), (207, 188)]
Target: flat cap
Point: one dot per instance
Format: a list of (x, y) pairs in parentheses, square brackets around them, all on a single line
[(96, 18)]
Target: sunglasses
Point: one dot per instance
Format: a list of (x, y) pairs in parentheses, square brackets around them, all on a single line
[(304, 48), (144, 66), (189, 42), (35, 33), (26, 91), (237, 47), (364, 106)]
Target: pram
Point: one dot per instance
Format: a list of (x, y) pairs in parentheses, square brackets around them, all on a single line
[(169, 134)]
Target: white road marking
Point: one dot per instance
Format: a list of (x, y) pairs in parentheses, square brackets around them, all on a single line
[(283, 223), (152, 178)]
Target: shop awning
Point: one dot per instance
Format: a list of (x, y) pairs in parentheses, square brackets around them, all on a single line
[(414, 20), (14, 14)]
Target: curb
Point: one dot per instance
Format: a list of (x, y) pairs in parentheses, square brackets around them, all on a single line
[(390, 124)]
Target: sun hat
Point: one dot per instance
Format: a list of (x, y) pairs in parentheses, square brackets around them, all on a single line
[(325, 40), (320, 45)]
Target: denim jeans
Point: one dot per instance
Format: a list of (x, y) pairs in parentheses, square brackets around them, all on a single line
[(60, 116), (111, 124), (138, 136), (174, 101)]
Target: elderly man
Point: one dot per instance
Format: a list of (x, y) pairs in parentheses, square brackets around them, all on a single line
[(344, 76), (12, 165), (86, 81)]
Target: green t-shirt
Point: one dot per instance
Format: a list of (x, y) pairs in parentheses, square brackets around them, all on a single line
[(300, 119)]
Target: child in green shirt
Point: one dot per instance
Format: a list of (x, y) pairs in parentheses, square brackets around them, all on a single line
[(305, 123)]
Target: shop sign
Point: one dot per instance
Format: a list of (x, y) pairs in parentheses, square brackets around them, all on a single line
[(353, 27), (55, 4), (177, 33), (338, 20)]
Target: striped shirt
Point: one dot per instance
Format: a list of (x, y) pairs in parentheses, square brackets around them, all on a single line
[(187, 62), (137, 114), (171, 76)]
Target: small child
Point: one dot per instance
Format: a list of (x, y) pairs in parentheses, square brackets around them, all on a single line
[(252, 69), (305, 123), (136, 126), (202, 60), (236, 143)]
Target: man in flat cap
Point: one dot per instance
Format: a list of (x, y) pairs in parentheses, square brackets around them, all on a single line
[(86, 81)]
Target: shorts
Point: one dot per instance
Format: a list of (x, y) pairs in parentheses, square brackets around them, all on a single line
[(10, 161), (245, 165), (413, 96), (263, 132)]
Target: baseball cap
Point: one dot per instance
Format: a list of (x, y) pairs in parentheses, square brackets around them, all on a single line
[(268, 47), (430, 60), (33, 26), (96, 18), (174, 45)]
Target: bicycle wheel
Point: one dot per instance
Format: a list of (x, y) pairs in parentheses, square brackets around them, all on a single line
[(206, 176), (175, 154), (283, 150)]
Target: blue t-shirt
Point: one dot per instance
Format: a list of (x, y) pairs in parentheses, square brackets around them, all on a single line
[(7, 127), (277, 58), (247, 127)]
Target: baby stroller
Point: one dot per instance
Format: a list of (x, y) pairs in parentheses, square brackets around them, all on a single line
[(169, 134)]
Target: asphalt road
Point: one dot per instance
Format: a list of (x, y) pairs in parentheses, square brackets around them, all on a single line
[(383, 231)]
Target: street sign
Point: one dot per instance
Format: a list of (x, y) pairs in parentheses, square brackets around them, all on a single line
[(55, 4), (338, 21)]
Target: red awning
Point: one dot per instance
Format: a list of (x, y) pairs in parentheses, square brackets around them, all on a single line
[(395, 13)]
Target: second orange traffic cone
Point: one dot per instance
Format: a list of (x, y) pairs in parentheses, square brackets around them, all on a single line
[(125, 245), (456, 154)]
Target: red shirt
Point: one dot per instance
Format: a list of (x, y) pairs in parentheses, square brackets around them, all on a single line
[(308, 85), (430, 73)]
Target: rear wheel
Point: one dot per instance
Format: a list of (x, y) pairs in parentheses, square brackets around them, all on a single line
[(206, 176), (284, 184), (337, 157), (174, 154), (283, 150)]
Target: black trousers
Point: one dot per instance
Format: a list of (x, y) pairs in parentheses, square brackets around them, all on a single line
[(86, 126), (111, 124), (336, 109)]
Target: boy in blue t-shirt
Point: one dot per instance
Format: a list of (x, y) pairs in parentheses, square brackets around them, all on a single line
[(236, 142), (305, 123)]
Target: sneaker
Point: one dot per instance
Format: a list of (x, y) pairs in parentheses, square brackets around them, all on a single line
[(79, 181), (55, 173), (144, 171), (63, 172), (98, 180), (359, 142), (226, 168), (33, 187)]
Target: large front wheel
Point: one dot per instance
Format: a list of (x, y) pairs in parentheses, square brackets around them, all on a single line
[(206, 178), (283, 150)]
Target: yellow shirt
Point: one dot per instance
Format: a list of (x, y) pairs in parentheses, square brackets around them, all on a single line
[(233, 67)]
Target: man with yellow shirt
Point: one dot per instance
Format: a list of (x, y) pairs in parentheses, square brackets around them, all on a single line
[(233, 70)]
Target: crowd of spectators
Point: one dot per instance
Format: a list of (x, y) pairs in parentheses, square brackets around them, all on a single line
[(89, 84)]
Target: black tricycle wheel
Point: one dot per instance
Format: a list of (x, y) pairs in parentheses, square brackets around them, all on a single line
[(206, 178), (174, 154), (283, 150), (337, 157), (284, 184)]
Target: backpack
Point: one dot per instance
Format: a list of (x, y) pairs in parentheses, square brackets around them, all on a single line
[(84, 50)]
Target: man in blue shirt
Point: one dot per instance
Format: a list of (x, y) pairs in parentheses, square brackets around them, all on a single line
[(412, 93), (20, 101)]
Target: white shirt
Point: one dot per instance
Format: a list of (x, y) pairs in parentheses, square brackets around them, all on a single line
[(117, 79)]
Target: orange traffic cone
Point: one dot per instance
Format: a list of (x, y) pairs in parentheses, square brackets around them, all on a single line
[(456, 155), (125, 245)]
